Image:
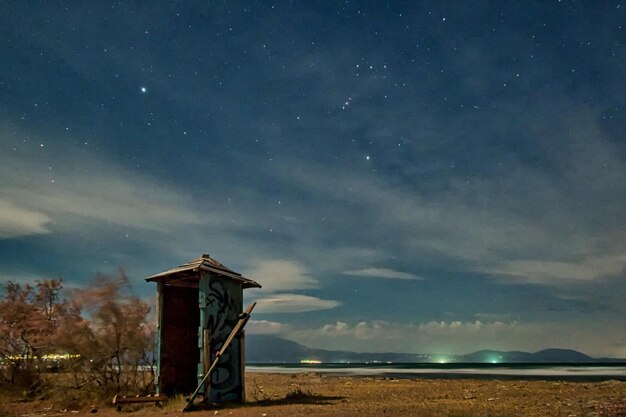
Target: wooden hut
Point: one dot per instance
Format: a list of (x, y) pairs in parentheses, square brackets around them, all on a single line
[(198, 305)]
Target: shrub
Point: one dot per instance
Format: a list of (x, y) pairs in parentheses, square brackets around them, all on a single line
[(99, 340)]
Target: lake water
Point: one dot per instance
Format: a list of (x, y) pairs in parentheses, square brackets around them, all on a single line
[(573, 372)]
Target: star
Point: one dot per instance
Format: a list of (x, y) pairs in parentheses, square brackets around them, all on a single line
[(367, 157), (144, 90)]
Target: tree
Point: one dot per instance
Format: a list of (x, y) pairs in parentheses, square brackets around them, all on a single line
[(102, 332), (119, 343), (47, 298), (28, 318)]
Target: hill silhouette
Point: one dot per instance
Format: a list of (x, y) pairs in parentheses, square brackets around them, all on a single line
[(272, 349)]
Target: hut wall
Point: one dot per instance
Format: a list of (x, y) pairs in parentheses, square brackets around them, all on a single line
[(221, 303), (178, 348)]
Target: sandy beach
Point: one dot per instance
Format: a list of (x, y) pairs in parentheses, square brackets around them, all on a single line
[(314, 394), (372, 396)]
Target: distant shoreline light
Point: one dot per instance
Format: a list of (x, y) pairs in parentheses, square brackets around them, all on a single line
[(310, 361), (49, 357)]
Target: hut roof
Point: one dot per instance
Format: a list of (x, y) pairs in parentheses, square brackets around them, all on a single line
[(203, 263)]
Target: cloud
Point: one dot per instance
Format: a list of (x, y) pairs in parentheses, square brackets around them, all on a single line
[(516, 221), (587, 269), (266, 327), (87, 191), (458, 327), (281, 275), (361, 330), (382, 273), (277, 276), (367, 330), (293, 303), (20, 221), (93, 214)]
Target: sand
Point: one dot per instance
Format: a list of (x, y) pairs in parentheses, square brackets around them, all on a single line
[(279, 395)]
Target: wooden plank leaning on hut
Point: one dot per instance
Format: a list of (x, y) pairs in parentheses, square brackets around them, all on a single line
[(238, 327)]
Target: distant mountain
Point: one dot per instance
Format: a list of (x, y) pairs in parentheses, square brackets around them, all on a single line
[(271, 349), (543, 356), (264, 348), (486, 356), (560, 355)]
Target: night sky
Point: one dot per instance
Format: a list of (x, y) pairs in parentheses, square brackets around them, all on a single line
[(400, 176)]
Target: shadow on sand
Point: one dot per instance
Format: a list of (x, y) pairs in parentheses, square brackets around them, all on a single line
[(297, 397)]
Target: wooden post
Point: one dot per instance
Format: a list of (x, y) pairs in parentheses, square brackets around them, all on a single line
[(159, 314), (242, 359), (206, 353)]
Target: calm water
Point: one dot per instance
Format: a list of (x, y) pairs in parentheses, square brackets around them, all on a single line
[(580, 372)]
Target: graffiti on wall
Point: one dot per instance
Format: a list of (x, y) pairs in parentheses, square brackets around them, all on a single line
[(223, 306)]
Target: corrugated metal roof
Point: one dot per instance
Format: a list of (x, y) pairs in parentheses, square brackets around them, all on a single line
[(205, 263)]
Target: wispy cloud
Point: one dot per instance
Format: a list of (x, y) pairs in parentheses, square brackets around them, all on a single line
[(101, 210), (278, 277), (293, 303), (281, 275), (20, 221), (385, 273), (80, 191), (550, 272), (518, 222)]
